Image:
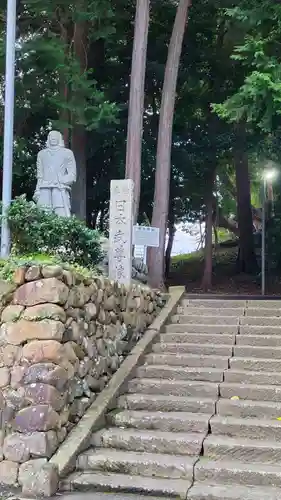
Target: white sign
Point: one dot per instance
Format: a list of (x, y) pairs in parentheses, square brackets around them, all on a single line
[(120, 230), (146, 236)]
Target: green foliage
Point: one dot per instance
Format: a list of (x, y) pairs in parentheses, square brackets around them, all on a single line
[(257, 100), (35, 230)]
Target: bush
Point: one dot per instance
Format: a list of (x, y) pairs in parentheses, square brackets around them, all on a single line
[(36, 230)]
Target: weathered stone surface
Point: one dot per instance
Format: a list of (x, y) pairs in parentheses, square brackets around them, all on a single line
[(62, 433), (78, 296), (19, 275), (78, 351), (4, 377), (28, 467), (68, 278), (33, 273), (110, 303), (38, 292), (2, 401), (59, 348), (90, 347), (14, 399), (47, 373), (11, 313), (20, 332), (41, 481), (6, 291), (84, 367), (78, 407), (36, 418), (42, 394), (69, 352), (15, 448), (91, 311), (8, 473), (45, 350), (17, 375), (9, 354), (2, 436), (53, 271), (44, 311)]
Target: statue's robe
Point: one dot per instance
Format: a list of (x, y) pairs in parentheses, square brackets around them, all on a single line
[(56, 172)]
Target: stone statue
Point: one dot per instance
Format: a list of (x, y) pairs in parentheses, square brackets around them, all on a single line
[(56, 172)]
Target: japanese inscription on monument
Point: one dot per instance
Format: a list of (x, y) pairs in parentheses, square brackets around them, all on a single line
[(120, 230)]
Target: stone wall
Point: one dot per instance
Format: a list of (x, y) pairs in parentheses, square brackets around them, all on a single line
[(62, 337)]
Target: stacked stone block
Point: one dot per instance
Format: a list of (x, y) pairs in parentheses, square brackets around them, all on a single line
[(62, 337)]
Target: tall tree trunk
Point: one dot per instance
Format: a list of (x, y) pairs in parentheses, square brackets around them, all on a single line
[(171, 235), (64, 88), (163, 159), (136, 103), (247, 259), (79, 133), (208, 250)]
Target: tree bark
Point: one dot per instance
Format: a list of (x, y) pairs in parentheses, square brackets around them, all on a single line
[(164, 144), (79, 133), (208, 251), (247, 259), (136, 102), (171, 235)]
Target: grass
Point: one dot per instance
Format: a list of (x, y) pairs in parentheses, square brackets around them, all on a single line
[(8, 266)]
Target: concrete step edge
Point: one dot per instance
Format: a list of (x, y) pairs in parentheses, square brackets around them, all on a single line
[(247, 422), (169, 414), (89, 481), (187, 369), (230, 442), (209, 491)]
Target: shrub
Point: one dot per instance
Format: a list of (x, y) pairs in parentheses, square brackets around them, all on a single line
[(37, 230)]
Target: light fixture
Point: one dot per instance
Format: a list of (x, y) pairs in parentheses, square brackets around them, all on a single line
[(269, 175)]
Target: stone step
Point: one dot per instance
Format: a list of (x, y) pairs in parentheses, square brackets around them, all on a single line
[(259, 340), (256, 364), (211, 311), (167, 422), (203, 319), (167, 403), (247, 428), (197, 338), (263, 311), (264, 304), (260, 330), (99, 495), (235, 472), (215, 303), (197, 327), (175, 388), (248, 351), (150, 441), (195, 349), (249, 409), (192, 360), (170, 488), (209, 491), (180, 373), (137, 464), (246, 450), (251, 377), (251, 391), (261, 321)]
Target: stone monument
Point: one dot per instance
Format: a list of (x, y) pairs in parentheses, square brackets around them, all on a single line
[(120, 230), (56, 172)]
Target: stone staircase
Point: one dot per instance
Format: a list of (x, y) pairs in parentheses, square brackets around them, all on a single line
[(202, 418)]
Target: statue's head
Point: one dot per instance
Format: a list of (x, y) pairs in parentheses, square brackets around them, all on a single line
[(55, 139)]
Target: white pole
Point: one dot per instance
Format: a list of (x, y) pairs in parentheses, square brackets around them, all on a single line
[(8, 123)]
